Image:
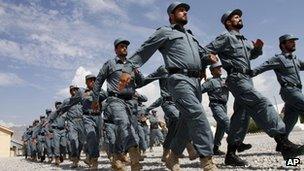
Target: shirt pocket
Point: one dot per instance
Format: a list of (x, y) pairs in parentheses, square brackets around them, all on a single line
[(288, 67), (238, 49), (115, 68), (176, 42)]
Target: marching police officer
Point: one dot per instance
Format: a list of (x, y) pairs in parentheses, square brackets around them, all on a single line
[(235, 52), (286, 66), (185, 61), (218, 96), (119, 105), (57, 124), (73, 108)]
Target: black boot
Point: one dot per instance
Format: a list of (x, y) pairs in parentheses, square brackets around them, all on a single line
[(288, 149), (242, 147), (232, 159), (278, 148), (42, 158), (216, 151)]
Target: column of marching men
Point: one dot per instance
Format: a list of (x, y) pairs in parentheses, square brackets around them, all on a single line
[(117, 120)]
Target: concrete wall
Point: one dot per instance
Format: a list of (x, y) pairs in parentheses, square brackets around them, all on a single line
[(5, 143)]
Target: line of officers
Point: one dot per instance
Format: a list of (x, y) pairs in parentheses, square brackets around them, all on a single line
[(185, 63), (74, 128)]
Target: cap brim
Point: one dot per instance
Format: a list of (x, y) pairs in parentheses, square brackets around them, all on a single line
[(293, 38), (73, 88), (186, 6), (236, 12), (126, 42), (90, 78)]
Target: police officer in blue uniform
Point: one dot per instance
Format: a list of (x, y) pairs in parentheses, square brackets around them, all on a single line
[(235, 52), (186, 61), (286, 66)]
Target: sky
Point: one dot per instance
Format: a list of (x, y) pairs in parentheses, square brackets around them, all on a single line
[(46, 45)]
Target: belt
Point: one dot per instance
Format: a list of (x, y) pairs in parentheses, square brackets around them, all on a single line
[(42, 134), (218, 101), (187, 72), (108, 121), (121, 96), (92, 113), (168, 98), (239, 70), (56, 127), (287, 84)]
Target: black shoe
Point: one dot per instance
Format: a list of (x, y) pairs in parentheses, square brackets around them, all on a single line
[(216, 151), (42, 158), (242, 147), (291, 150), (234, 160)]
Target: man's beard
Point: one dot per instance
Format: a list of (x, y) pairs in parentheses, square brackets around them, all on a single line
[(292, 49), (239, 25), (182, 21)]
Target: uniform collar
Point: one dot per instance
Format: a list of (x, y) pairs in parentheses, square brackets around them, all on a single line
[(118, 60), (288, 55), (179, 28), (237, 34)]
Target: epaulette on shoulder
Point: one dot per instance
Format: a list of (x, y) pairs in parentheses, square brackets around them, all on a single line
[(164, 27)]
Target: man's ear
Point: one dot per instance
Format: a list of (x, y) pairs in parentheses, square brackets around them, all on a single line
[(228, 23)]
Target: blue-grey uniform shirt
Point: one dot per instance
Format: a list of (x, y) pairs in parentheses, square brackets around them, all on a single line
[(111, 72), (38, 130), (87, 99), (217, 90), (285, 66), (134, 103), (179, 48), (57, 120), (27, 134), (72, 106), (234, 50), (162, 74)]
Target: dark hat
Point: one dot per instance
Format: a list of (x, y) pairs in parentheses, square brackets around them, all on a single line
[(121, 40), (57, 103), (228, 14), (286, 37), (90, 76), (48, 111), (174, 5), (73, 87)]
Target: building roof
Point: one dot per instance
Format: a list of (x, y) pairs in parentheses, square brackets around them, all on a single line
[(16, 144), (5, 129)]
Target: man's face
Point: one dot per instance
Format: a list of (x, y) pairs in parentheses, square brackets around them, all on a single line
[(57, 105), (121, 50), (217, 71), (73, 91), (90, 83), (235, 22), (179, 16), (289, 46), (42, 120)]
